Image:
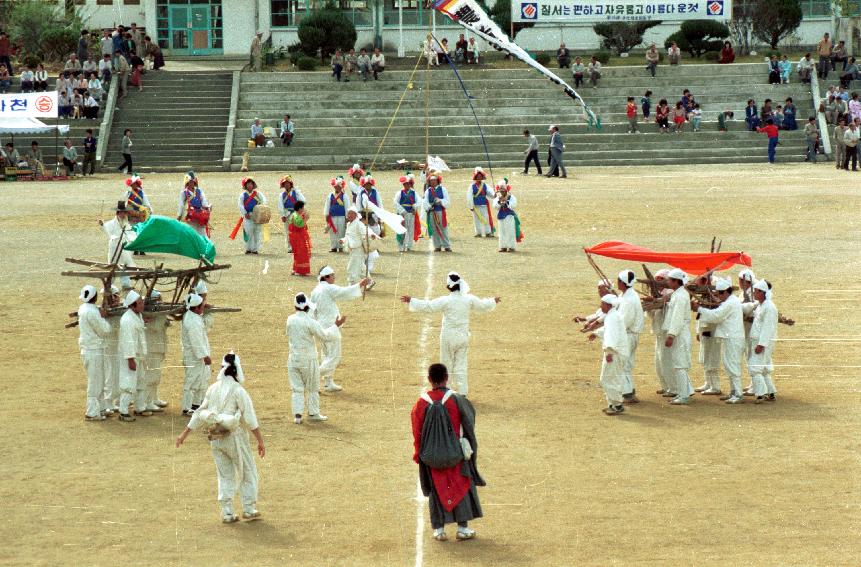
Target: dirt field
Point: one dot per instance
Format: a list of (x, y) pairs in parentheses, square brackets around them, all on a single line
[(707, 484)]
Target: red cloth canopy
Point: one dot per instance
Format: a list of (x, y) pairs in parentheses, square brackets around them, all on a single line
[(691, 263)]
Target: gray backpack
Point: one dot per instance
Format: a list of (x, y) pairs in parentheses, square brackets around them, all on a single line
[(441, 447)]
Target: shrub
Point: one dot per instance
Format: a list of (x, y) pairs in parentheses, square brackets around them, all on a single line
[(43, 30), (500, 13), (306, 63), (699, 36), (774, 52), (713, 56), (602, 56), (30, 60), (327, 30), (543, 58), (621, 37)]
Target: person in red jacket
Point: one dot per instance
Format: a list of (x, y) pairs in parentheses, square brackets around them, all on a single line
[(770, 130), (452, 494)]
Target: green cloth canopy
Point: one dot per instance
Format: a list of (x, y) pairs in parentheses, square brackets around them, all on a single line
[(163, 234)]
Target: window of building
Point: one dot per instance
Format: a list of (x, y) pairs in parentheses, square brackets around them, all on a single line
[(822, 8), (415, 12), (289, 13), (133, 2), (105, 2)]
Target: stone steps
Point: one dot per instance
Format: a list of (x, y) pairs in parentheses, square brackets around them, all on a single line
[(178, 122)]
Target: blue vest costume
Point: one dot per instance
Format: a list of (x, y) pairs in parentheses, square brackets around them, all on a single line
[(249, 203), (504, 212), (479, 195), (407, 200), (336, 205), (195, 200), (436, 193), (288, 199), (372, 196)]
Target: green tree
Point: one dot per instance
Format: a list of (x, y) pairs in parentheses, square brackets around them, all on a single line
[(44, 30), (621, 37), (501, 15), (698, 36), (326, 30), (773, 20)]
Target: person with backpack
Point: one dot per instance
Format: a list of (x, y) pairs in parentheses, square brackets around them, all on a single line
[(454, 334), (446, 451)]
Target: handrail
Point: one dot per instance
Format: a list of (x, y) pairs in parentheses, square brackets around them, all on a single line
[(820, 116), (231, 122), (107, 122)]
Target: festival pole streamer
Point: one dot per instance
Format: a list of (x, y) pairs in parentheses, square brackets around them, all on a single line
[(469, 99)]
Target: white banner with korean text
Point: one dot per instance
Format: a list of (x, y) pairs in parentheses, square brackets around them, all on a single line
[(594, 11), (28, 105)]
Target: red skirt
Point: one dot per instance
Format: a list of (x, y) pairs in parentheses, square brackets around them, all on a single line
[(300, 241)]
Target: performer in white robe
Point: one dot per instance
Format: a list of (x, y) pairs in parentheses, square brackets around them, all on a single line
[(454, 334), (249, 198), (227, 415), (356, 240), (287, 204), (746, 279), (94, 331), (614, 339), (133, 354), (677, 326), (369, 195), (192, 200), (156, 346), (434, 204), (596, 319), (663, 371), (727, 320), (208, 317), (335, 213), (631, 310), (111, 398), (479, 195), (505, 205), (406, 205), (120, 233), (763, 334), (709, 351), (302, 368), (325, 297), (195, 354)]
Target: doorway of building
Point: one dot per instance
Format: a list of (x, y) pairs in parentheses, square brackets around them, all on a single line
[(190, 28)]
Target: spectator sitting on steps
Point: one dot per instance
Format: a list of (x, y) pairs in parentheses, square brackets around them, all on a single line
[(594, 70), (28, 80), (351, 64), (804, 67), (378, 62), (652, 59), (471, 52), (11, 155), (288, 130), (578, 70), (72, 64), (460, 49), (674, 54), (257, 133), (337, 64), (41, 78), (849, 74), (563, 57), (89, 65), (727, 54), (105, 69), (364, 64), (70, 156), (838, 55)]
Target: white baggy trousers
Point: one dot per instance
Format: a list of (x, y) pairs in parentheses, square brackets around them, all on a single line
[(628, 365), (96, 365), (234, 463), (132, 386), (304, 378), (195, 384), (331, 357), (454, 354), (254, 234), (612, 378)]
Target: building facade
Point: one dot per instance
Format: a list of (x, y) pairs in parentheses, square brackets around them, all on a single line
[(226, 27)]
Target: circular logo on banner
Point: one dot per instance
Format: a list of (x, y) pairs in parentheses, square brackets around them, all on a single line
[(44, 104), (529, 11)]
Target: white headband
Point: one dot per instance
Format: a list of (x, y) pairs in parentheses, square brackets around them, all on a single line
[(746, 275), (131, 297), (87, 293), (627, 277), (325, 272), (662, 273), (610, 299), (240, 375), (723, 285), (155, 294), (678, 274), (303, 302), (761, 285), (193, 300)]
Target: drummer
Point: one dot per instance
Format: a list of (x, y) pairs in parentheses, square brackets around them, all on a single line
[(248, 200), (287, 203), (193, 206), (137, 202)]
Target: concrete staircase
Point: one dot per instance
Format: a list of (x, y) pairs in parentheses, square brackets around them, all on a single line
[(340, 123), (178, 122)]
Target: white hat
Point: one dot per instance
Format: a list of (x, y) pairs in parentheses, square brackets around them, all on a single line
[(678, 274), (201, 288), (627, 277), (747, 275), (325, 272), (193, 300), (301, 302), (131, 297), (552, 126), (353, 209), (662, 273), (761, 285), (610, 299), (453, 278), (114, 290), (240, 375), (87, 293), (155, 294), (723, 285)]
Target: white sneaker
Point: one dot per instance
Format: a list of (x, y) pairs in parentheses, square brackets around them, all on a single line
[(161, 403), (679, 401), (332, 387), (297, 420), (229, 518), (155, 408), (735, 400), (465, 533), (317, 417), (439, 534), (711, 392), (702, 388)]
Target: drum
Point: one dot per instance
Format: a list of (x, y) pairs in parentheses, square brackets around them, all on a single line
[(138, 215), (261, 214), (198, 216)]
